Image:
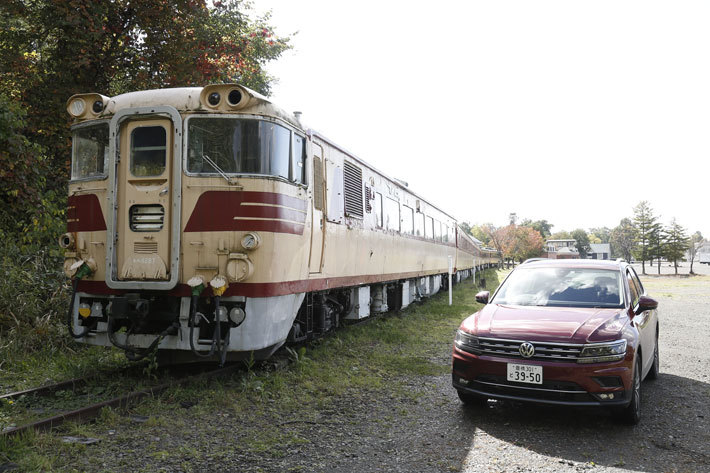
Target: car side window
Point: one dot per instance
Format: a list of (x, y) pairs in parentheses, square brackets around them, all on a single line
[(636, 279), (633, 288)]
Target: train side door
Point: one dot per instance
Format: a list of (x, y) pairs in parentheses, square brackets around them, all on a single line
[(143, 201), (317, 211)]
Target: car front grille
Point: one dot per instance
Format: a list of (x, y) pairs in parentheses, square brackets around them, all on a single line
[(546, 351)]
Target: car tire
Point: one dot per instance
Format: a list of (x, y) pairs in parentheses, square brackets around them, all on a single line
[(472, 399), (631, 414), (656, 366)]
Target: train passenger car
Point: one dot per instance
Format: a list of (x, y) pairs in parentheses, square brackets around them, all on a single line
[(209, 222)]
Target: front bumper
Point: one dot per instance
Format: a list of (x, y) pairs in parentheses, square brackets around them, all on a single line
[(564, 383)]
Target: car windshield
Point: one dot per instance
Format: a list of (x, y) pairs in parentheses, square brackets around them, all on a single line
[(562, 287)]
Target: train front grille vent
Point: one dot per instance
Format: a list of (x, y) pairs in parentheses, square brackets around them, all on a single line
[(145, 248), (353, 190), (147, 218)]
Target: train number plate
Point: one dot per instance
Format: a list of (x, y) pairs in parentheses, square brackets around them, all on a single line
[(525, 373)]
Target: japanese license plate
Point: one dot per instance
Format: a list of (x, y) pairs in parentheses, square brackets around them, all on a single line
[(525, 373)]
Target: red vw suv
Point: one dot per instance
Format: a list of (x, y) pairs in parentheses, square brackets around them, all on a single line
[(566, 332)]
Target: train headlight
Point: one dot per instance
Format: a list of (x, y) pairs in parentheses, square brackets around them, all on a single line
[(98, 106), (251, 241), (77, 107), (234, 97), (214, 98), (237, 316)]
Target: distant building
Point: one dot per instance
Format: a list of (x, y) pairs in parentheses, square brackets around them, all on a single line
[(561, 249), (599, 251)]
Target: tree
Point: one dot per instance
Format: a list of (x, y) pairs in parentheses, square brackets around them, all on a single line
[(466, 227), (496, 237), (563, 235), (582, 242), (623, 239), (696, 241), (479, 232), (542, 226), (645, 224), (676, 243), (602, 233)]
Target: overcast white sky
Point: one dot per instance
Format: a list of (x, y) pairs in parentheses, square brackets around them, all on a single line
[(560, 110)]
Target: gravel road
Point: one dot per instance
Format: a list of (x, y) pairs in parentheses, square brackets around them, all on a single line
[(426, 429)]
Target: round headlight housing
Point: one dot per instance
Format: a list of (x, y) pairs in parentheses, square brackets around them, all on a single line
[(234, 97), (98, 106), (77, 107)]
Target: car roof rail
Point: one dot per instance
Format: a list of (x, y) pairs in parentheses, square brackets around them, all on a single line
[(532, 260)]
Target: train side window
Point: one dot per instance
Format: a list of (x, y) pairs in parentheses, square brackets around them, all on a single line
[(148, 145), (437, 230), (391, 214), (430, 228), (378, 209), (407, 220), (298, 165), (419, 224)]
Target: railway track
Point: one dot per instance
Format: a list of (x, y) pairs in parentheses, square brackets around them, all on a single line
[(91, 411)]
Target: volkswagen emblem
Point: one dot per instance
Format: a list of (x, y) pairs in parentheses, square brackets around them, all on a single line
[(526, 349)]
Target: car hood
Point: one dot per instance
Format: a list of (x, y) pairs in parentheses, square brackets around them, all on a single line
[(551, 324)]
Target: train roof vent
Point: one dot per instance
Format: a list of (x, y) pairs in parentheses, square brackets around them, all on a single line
[(352, 176)]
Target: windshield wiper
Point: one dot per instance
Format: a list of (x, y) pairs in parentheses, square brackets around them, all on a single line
[(219, 170)]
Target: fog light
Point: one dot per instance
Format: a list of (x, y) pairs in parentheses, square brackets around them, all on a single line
[(237, 316), (97, 310), (84, 309), (222, 313)]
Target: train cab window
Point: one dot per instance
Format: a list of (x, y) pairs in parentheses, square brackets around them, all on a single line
[(148, 146), (244, 146), (430, 228), (378, 210), (419, 224), (89, 151), (445, 233), (407, 220), (391, 214)]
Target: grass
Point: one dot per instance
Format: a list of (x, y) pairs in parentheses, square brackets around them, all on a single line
[(384, 357)]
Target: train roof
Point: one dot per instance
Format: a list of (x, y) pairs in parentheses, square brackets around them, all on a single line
[(194, 99)]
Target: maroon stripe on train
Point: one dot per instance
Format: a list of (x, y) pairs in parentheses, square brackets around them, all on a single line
[(215, 212), (271, 289), (84, 214)]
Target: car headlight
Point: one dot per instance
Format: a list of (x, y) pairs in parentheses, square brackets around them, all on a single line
[(602, 352), (467, 342)]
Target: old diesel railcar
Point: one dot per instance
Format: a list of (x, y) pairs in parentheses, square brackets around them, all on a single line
[(207, 221)]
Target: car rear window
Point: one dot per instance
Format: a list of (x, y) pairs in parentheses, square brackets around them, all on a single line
[(563, 287)]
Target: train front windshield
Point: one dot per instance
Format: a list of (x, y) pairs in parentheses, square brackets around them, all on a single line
[(245, 146)]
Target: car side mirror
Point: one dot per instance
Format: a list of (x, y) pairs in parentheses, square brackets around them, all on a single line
[(482, 297), (646, 303)]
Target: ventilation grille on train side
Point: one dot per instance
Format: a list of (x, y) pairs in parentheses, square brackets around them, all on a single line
[(145, 247), (147, 218), (317, 183), (353, 190)]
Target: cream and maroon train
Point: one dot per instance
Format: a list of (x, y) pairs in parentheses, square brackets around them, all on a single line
[(207, 221)]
